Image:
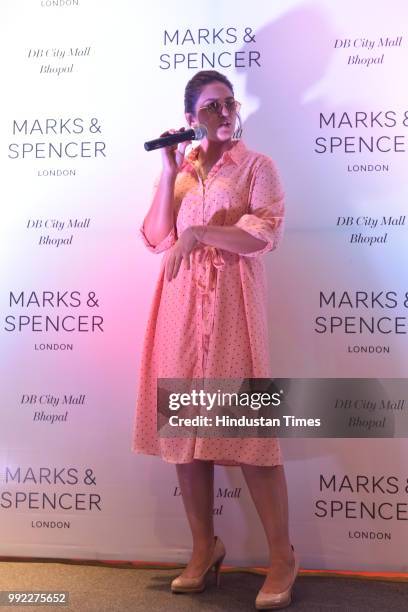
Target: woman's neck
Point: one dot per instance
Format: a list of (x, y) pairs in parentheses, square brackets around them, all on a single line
[(210, 151)]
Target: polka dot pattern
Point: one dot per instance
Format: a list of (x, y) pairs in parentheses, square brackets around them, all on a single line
[(211, 321)]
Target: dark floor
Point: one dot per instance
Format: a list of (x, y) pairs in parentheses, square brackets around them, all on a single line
[(122, 589)]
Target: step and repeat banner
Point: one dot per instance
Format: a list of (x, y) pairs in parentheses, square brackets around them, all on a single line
[(323, 92)]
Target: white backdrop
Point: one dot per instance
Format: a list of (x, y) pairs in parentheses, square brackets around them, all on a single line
[(106, 77)]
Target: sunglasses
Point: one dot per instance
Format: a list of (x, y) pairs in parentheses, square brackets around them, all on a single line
[(216, 107)]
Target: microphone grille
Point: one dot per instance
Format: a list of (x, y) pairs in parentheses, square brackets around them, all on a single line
[(200, 132)]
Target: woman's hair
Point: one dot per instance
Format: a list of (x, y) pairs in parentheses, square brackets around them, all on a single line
[(196, 84)]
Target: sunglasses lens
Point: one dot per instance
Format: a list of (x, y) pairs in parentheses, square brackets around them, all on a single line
[(217, 107)]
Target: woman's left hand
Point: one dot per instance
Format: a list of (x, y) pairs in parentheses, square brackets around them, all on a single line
[(179, 252)]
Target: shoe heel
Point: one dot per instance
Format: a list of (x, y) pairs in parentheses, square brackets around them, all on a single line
[(217, 568)]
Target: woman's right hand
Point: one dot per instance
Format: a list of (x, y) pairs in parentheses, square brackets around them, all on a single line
[(173, 156), (179, 252)]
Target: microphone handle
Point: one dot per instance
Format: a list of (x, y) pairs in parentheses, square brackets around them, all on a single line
[(171, 139)]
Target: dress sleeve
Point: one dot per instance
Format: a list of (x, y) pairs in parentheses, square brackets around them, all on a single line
[(163, 245), (266, 208), (167, 241)]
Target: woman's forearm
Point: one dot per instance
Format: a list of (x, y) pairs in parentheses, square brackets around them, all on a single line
[(160, 217), (229, 238)]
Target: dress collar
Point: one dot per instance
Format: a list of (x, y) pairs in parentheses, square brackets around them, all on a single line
[(236, 154)]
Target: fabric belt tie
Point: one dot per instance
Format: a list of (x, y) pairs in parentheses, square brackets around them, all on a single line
[(210, 262)]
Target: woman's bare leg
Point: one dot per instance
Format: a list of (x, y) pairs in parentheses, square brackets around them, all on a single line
[(267, 485), (196, 480)]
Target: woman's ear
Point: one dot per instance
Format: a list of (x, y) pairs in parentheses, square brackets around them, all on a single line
[(192, 122)]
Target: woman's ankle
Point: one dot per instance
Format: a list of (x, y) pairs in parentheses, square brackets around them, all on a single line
[(203, 546), (282, 554)]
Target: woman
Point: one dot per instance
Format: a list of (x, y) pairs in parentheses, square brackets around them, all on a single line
[(215, 212)]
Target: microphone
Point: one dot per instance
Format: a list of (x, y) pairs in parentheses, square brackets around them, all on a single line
[(197, 133)]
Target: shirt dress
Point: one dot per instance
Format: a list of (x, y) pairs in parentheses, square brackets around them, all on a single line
[(211, 321)]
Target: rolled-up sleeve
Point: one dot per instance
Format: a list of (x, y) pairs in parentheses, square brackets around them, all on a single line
[(161, 246), (167, 241), (265, 216)]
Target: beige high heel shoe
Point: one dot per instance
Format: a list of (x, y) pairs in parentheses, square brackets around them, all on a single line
[(198, 583), (274, 601)]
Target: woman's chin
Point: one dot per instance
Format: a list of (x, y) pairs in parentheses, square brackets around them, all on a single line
[(223, 134)]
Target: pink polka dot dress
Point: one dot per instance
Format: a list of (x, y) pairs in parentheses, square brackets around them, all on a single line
[(211, 321)]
